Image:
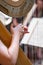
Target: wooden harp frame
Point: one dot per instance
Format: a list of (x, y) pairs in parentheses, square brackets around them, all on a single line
[(5, 36)]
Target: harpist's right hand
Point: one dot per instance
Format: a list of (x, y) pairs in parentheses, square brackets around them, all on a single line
[(18, 30)]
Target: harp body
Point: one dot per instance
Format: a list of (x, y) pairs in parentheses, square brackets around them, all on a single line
[(5, 37)]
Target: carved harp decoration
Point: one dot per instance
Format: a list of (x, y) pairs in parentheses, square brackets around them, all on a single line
[(16, 8)]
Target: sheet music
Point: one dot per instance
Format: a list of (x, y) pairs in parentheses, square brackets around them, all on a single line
[(35, 37)]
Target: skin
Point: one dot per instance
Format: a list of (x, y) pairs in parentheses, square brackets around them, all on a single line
[(40, 4), (8, 56)]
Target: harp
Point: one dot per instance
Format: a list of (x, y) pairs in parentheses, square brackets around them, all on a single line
[(5, 35)]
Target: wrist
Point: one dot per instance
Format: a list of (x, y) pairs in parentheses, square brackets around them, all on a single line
[(15, 35)]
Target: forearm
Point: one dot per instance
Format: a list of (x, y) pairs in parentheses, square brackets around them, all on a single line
[(4, 55), (14, 48), (11, 53)]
